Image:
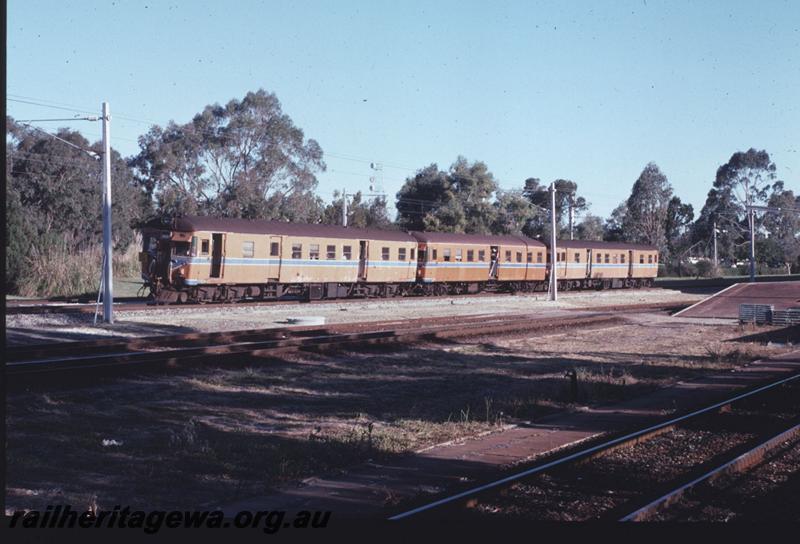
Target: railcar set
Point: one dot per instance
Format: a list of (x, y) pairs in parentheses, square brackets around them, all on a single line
[(206, 259)]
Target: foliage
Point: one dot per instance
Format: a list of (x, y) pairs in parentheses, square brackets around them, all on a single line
[(513, 213), (360, 213), (783, 227), (454, 201), (244, 159), (590, 228), (647, 209), (539, 196), (54, 201)]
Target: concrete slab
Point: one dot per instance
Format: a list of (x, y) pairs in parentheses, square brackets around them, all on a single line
[(781, 294), (371, 490)]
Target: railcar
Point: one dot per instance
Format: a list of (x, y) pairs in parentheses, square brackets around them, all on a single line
[(585, 264), (467, 263), (209, 259)]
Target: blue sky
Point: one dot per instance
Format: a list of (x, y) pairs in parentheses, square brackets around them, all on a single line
[(589, 91)]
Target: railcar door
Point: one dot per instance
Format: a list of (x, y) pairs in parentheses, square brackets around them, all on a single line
[(363, 254), (217, 251), (494, 252), (274, 259), (630, 263)]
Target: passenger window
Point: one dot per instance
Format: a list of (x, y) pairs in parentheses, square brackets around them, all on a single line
[(446, 255), (481, 255), (347, 252), (297, 251), (385, 253), (248, 249), (577, 257), (508, 256), (622, 258), (470, 255), (331, 252), (530, 256), (538, 256), (274, 249), (435, 255), (607, 259), (458, 255), (519, 256), (599, 258), (204, 247), (650, 259), (401, 254), (313, 252), (641, 259), (411, 258)]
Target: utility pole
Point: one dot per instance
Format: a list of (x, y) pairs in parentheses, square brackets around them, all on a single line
[(571, 215), (715, 247), (553, 248), (751, 212), (108, 269), (344, 207)]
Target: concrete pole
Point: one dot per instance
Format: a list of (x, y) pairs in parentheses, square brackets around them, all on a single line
[(715, 247), (108, 269), (752, 218), (344, 208), (553, 248)]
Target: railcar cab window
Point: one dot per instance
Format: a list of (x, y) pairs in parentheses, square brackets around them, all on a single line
[(313, 252), (481, 255), (204, 245), (274, 249), (347, 252), (538, 256), (458, 255), (248, 249), (180, 249), (401, 254), (330, 254), (385, 253), (446, 255), (297, 251)]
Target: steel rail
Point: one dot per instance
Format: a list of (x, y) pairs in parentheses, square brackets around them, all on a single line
[(738, 464), (585, 452)]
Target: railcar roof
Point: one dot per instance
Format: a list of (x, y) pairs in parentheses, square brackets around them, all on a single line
[(481, 239), (260, 226), (595, 244)]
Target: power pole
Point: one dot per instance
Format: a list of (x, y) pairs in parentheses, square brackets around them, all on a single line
[(751, 212), (715, 246), (571, 216), (553, 248), (108, 269), (344, 207)]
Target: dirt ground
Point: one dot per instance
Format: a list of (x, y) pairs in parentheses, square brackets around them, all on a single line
[(213, 435)]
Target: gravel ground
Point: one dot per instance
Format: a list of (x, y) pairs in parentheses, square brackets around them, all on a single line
[(214, 435), (767, 492), (629, 475), (33, 328)]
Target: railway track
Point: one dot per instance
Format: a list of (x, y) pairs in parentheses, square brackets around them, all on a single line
[(633, 476), (85, 358), (134, 304)]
